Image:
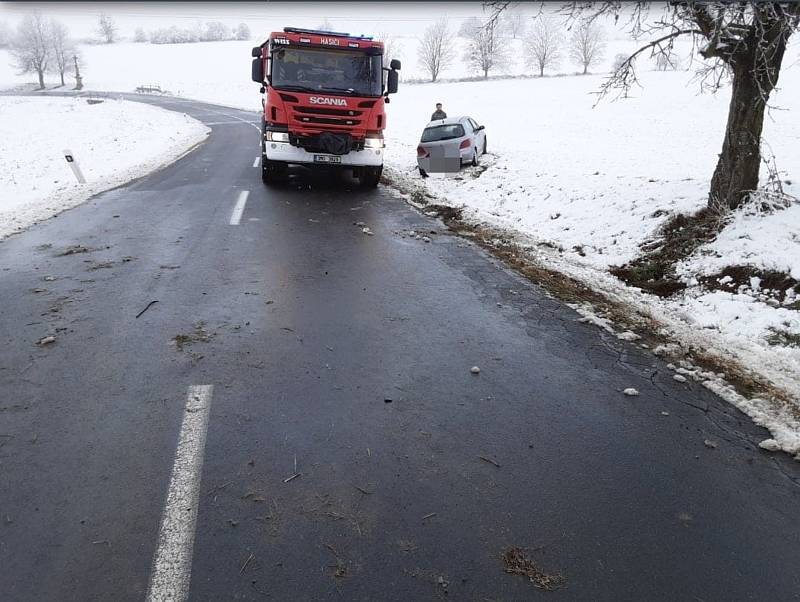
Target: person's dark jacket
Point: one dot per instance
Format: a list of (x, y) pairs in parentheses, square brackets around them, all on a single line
[(438, 114)]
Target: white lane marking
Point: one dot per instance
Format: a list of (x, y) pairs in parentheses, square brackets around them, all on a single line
[(257, 161), (238, 209), (172, 564)]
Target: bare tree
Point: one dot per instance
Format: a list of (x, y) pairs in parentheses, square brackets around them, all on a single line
[(63, 49), (107, 28), (215, 31), (5, 35), (242, 32), (515, 23), (744, 42), (326, 25), (435, 52), (31, 46), (543, 44), (485, 47), (139, 35), (587, 44), (391, 46)]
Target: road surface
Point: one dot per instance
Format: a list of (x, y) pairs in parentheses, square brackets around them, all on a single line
[(295, 417)]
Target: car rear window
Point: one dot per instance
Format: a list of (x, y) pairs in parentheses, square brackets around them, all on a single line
[(442, 132)]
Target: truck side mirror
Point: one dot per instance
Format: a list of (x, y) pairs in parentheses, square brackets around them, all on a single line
[(258, 71), (392, 79), (394, 65), (256, 51)]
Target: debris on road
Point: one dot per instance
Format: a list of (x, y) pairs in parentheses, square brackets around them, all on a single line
[(364, 491), (148, 306), (199, 335), (73, 250), (518, 563), (710, 444), (367, 231), (246, 562), (665, 413), (475, 370), (291, 478), (427, 516), (489, 460), (46, 340), (630, 391), (49, 278)]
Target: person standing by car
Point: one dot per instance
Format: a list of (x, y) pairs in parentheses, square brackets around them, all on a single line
[(438, 113)]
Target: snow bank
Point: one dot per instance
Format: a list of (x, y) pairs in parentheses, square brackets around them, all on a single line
[(114, 142)]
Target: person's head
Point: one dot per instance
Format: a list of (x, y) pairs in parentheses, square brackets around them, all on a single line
[(438, 106)]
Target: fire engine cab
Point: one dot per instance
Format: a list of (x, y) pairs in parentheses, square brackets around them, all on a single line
[(323, 95)]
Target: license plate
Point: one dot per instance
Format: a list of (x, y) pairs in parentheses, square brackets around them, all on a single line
[(327, 159)]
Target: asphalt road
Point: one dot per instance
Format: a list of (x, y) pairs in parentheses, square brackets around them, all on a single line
[(345, 358)]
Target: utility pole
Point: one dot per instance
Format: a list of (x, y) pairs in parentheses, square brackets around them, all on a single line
[(78, 78)]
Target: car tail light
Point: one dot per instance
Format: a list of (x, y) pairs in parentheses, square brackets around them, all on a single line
[(464, 144), (422, 152)]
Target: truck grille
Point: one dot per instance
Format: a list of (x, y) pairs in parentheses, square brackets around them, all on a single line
[(346, 119)]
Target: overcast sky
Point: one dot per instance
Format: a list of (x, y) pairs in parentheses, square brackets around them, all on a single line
[(398, 18)]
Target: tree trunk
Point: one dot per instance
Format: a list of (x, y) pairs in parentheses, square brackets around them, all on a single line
[(40, 72), (541, 70), (585, 68), (485, 74), (736, 174), (62, 79)]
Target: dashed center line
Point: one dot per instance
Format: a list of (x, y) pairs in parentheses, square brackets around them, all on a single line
[(238, 209), (172, 564), (257, 161)]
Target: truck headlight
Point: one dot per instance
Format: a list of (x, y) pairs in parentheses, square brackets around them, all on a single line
[(373, 143), (276, 136)]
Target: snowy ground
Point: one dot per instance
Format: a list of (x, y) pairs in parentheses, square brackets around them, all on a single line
[(114, 142), (591, 183)]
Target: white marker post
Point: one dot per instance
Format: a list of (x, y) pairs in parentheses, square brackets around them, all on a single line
[(74, 165)]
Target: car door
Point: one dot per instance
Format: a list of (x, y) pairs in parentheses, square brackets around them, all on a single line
[(480, 135)]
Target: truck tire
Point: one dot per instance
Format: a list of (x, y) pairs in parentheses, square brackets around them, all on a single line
[(370, 176), (272, 171)]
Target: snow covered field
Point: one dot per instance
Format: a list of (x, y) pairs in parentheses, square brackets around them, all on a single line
[(114, 141), (582, 186)]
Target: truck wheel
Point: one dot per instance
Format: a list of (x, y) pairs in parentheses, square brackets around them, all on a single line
[(271, 171), (370, 176)]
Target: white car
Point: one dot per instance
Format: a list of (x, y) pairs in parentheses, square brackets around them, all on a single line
[(447, 144)]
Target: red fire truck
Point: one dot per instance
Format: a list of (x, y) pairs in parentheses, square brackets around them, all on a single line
[(324, 95)]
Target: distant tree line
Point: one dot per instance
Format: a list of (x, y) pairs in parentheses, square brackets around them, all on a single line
[(214, 31), (489, 44)]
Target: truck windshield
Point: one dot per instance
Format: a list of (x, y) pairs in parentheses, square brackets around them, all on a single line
[(323, 70), (442, 132)]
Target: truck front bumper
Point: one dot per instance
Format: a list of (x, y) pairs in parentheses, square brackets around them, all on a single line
[(286, 153)]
